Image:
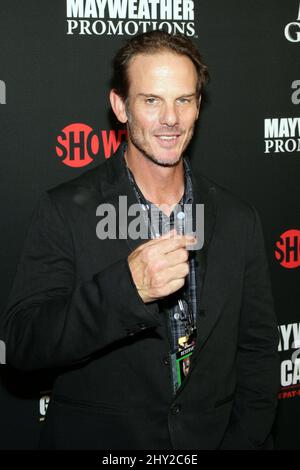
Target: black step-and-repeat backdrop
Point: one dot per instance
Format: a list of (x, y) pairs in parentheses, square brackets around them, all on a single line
[(55, 123)]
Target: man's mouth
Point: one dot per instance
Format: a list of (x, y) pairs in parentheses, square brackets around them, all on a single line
[(167, 139)]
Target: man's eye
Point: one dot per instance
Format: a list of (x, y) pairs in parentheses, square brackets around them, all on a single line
[(151, 100), (184, 100)]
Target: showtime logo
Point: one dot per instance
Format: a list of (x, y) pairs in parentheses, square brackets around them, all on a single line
[(292, 30), (287, 250), (129, 17), (78, 144)]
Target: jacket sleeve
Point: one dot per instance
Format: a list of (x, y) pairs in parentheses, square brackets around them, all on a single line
[(52, 320), (257, 355)]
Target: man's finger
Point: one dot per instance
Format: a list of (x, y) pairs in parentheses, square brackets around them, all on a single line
[(172, 244)]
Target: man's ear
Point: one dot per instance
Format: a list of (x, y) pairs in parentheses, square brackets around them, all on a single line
[(118, 106)]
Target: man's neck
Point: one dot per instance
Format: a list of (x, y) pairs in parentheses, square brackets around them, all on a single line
[(160, 185)]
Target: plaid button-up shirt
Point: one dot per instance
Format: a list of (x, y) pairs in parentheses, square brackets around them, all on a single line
[(159, 224)]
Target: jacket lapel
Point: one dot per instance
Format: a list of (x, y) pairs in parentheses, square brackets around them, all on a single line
[(204, 193), (114, 185)]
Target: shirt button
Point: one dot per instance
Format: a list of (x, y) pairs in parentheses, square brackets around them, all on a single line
[(176, 316), (175, 410)]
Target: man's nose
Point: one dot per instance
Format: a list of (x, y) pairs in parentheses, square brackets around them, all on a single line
[(169, 114)]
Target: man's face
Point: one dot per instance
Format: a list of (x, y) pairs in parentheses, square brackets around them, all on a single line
[(162, 106)]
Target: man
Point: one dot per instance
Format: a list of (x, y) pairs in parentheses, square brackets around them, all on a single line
[(118, 316)]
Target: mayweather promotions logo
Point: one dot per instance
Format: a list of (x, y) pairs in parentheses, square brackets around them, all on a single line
[(287, 250), (129, 17), (78, 144), (289, 348), (282, 134), (292, 30)]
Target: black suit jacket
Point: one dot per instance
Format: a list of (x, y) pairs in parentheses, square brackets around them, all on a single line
[(74, 306)]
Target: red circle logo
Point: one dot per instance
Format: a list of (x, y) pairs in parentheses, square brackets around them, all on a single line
[(287, 250), (77, 145)]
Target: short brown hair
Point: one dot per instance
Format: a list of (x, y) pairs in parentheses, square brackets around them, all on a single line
[(151, 43)]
